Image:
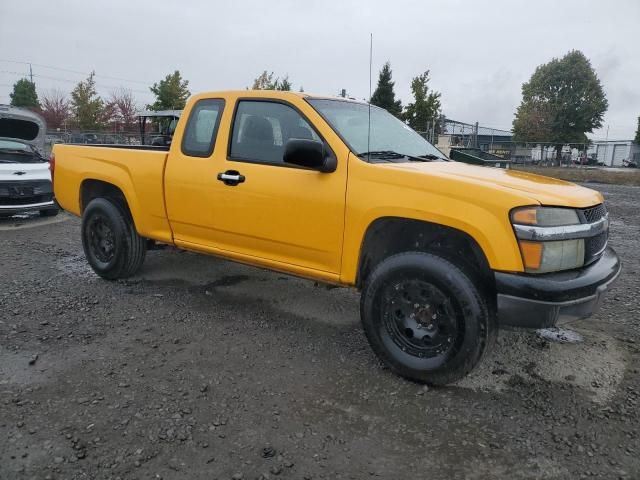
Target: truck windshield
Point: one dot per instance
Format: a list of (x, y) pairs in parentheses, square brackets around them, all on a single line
[(391, 139)]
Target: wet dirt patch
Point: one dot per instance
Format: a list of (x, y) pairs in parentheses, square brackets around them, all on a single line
[(75, 265), (596, 365), (227, 281)]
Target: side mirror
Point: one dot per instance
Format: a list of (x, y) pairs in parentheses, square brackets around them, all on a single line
[(310, 154)]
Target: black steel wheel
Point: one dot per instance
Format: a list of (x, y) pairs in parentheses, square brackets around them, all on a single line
[(111, 244), (425, 318), (102, 239), (421, 319)]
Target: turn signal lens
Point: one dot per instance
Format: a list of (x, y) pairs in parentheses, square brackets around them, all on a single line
[(525, 216), (531, 254)]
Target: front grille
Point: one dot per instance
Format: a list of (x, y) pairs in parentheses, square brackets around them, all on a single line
[(25, 200), (33, 187), (594, 246), (16, 193), (593, 214)]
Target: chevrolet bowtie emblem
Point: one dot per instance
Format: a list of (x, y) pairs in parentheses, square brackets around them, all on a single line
[(19, 173)]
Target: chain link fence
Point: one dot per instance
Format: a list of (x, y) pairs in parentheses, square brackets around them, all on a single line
[(94, 137), (448, 134)]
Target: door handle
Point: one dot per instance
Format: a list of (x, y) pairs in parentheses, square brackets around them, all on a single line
[(231, 178)]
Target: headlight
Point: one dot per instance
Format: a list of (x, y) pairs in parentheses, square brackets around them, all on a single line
[(549, 238), (545, 216)]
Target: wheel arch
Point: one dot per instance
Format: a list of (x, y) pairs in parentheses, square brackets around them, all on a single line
[(91, 188), (387, 236)]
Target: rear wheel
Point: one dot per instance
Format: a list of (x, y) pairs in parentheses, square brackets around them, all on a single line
[(425, 318), (111, 244)]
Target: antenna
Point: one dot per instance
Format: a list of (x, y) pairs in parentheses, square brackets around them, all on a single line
[(369, 125)]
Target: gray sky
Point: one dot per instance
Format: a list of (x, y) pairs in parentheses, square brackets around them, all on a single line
[(479, 51)]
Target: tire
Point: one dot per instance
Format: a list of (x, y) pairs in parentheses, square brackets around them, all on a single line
[(52, 212), (425, 318), (111, 244)]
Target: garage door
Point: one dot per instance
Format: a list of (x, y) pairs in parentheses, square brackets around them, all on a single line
[(620, 152), (601, 152)]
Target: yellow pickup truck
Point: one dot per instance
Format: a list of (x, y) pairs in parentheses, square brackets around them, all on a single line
[(343, 193)]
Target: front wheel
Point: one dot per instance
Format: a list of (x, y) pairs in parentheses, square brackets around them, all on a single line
[(111, 244), (425, 318)]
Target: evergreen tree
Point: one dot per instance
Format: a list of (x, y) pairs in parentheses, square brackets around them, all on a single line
[(24, 95), (384, 96)]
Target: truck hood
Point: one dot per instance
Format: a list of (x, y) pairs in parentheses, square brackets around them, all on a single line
[(540, 189), (22, 125)]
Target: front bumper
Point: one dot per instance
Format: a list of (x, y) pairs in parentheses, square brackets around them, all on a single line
[(12, 209), (24, 196), (541, 301)]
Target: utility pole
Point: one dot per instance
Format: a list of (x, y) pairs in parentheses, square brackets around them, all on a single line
[(606, 148), (30, 73)]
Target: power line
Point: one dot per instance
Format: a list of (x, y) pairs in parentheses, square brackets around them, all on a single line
[(101, 85), (76, 71)]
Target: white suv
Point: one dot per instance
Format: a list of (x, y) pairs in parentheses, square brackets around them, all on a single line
[(25, 178)]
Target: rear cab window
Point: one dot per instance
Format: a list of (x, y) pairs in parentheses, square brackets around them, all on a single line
[(202, 127)]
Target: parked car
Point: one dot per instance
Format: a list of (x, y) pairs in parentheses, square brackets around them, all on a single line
[(25, 178), (344, 193)]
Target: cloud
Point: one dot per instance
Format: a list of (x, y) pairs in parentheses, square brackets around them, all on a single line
[(478, 51)]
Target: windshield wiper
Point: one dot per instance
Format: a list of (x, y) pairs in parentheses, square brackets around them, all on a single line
[(430, 156), (390, 154), (382, 154)]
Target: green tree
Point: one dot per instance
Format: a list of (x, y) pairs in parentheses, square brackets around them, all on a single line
[(266, 81), (384, 95), (637, 139), (24, 94), (171, 93), (561, 102), (423, 113), (86, 105), (284, 84)]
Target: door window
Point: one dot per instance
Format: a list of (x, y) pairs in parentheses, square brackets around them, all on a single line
[(202, 127), (261, 130)]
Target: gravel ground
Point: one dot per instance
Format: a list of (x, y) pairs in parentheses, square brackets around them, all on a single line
[(200, 368)]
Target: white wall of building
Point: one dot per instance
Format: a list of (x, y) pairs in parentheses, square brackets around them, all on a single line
[(613, 153)]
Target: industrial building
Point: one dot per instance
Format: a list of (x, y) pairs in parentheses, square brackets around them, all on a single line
[(614, 153)]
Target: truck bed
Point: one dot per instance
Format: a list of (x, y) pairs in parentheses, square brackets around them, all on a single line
[(137, 170)]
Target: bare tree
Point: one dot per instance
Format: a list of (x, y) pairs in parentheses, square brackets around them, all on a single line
[(56, 108), (124, 108)]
